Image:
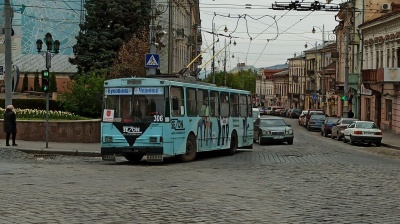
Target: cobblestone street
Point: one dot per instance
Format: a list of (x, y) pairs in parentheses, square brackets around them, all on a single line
[(315, 180)]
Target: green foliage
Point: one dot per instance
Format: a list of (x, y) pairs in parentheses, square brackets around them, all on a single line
[(85, 94), (34, 104), (108, 24), (53, 83), (25, 83), (36, 85), (29, 114), (245, 80)]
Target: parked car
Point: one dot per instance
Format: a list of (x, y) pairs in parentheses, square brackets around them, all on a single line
[(272, 129), (277, 111), (283, 112), (311, 112), (295, 113), (302, 118), (262, 110), (315, 121), (271, 109), (326, 127), (288, 112), (256, 114), (337, 130), (363, 131)]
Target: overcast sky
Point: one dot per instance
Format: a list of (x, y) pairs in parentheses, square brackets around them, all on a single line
[(273, 40)]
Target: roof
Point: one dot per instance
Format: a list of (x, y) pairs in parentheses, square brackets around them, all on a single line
[(282, 73), (383, 17), (280, 66), (244, 68)]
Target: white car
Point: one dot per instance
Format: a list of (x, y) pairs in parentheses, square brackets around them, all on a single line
[(302, 117), (363, 131)]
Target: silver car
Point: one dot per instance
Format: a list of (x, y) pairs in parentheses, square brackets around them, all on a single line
[(338, 128), (272, 129)]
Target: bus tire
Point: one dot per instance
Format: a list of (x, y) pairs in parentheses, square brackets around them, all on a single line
[(234, 144), (191, 149), (133, 157)]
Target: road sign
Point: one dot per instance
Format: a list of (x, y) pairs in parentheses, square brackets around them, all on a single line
[(152, 61), (315, 96)]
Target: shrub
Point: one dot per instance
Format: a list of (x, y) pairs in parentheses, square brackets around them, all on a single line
[(25, 83), (53, 83), (36, 84)]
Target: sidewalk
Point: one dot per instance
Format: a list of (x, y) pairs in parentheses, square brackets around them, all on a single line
[(69, 149), (390, 140)]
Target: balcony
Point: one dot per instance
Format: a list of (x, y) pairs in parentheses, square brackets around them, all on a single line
[(310, 72), (295, 95), (372, 75)]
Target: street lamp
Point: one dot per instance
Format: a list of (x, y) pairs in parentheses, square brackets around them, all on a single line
[(323, 63), (315, 65), (53, 47), (213, 61)]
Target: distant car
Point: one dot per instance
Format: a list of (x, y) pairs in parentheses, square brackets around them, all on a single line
[(312, 112), (272, 129), (295, 113), (326, 127), (315, 121), (276, 111), (363, 131), (341, 124), (283, 112), (256, 114), (302, 118), (262, 110)]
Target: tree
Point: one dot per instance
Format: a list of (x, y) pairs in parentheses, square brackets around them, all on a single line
[(84, 95), (53, 83), (108, 24), (36, 85), (245, 80), (25, 84), (131, 55)]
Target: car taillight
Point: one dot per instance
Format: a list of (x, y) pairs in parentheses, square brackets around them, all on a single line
[(357, 132), (161, 138), (378, 133), (311, 122)]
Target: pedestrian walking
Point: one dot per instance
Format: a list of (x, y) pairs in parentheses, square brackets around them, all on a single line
[(351, 114), (10, 125)]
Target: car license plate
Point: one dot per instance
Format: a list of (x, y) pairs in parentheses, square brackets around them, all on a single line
[(369, 133), (278, 137)]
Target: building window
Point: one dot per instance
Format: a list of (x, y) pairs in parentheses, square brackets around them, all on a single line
[(381, 64), (393, 57), (388, 58), (377, 59), (388, 104)]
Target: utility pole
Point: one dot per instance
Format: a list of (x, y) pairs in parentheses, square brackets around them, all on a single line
[(7, 52), (315, 73), (213, 60), (153, 49), (346, 72), (170, 36), (225, 64), (196, 26), (323, 68)]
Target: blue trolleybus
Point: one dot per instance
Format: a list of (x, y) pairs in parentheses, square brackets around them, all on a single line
[(154, 118)]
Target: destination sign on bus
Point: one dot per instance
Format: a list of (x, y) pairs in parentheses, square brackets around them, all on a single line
[(149, 91), (118, 91)]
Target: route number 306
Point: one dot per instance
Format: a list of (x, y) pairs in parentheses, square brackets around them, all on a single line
[(158, 118)]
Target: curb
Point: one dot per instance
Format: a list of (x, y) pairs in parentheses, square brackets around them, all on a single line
[(61, 152), (390, 146)]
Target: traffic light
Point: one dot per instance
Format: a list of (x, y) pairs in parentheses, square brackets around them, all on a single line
[(45, 81), (344, 98)]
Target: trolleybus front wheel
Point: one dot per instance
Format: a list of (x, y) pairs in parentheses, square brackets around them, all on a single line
[(191, 149), (234, 144)]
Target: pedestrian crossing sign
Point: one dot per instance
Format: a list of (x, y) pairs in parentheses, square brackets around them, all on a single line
[(152, 61)]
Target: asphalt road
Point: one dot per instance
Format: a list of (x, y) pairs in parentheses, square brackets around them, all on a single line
[(315, 180)]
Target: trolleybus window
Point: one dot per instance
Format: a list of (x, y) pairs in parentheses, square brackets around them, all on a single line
[(243, 105), (191, 106), (148, 104), (177, 101), (202, 103), (224, 104), (234, 105), (249, 106), (214, 104)]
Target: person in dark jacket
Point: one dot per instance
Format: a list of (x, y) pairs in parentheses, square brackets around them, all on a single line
[(351, 114), (10, 125)]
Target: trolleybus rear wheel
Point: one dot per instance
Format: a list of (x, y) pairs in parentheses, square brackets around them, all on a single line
[(191, 149)]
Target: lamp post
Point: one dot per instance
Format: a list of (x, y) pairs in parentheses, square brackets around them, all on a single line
[(315, 66), (234, 44), (323, 63), (213, 61), (53, 46)]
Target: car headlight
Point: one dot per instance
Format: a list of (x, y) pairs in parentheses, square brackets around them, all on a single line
[(265, 132), (290, 132)]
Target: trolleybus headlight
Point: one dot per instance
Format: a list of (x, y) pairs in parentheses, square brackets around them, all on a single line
[(108, 139)]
